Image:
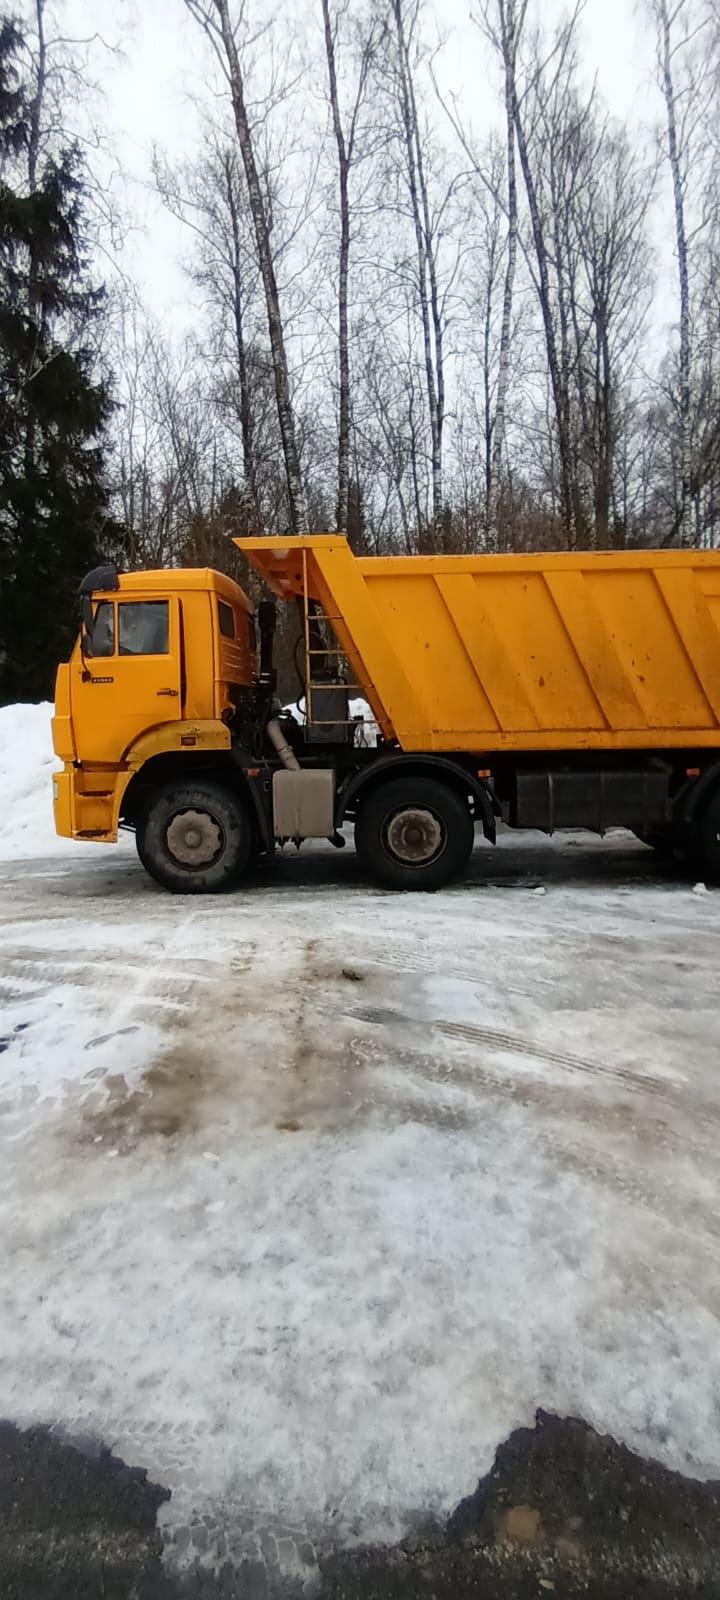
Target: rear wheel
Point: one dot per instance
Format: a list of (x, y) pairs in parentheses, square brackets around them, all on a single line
[(414, 833), (705, 843), (195, 838)]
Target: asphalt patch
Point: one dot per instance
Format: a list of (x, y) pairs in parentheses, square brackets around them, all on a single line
[(563, 1512), (75, 1524)]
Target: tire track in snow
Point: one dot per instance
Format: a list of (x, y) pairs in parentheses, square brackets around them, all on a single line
[(33, 973), (556, 1134), (515, 1044)]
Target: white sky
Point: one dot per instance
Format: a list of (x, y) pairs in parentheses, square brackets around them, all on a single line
[(163, 64)]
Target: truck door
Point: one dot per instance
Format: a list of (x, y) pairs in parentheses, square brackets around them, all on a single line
[(132, 679)]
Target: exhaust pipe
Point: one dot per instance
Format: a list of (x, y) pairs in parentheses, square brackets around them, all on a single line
[(278, 740)]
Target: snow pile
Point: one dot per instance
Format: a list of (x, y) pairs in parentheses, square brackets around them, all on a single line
[(27, 761)]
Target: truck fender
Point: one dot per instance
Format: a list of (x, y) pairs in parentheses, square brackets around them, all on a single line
[(166, 739), (391, 766)]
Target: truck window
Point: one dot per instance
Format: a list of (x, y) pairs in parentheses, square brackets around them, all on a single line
[(143, 628), (226, 620), (102, 639)]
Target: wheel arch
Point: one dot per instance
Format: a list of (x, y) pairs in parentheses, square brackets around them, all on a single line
[(163, 768), (457, 777), (166, 751)]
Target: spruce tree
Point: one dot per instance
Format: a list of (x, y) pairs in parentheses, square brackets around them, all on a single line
[(54, 521)]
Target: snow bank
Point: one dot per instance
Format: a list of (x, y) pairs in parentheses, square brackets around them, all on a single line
[(27, 761)]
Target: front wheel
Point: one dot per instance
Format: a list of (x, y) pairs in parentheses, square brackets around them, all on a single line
[(195, 838), (414, 833)]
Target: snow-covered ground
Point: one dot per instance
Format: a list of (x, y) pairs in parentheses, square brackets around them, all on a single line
[(312, 1193)]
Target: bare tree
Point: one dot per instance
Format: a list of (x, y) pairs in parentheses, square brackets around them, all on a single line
[(506, 36), (609, 309), (405, 15), (688, 58), (493, 260), (214, 15), (166, 457), (545, 79), (209, 196), (666, 18), (345, 141)]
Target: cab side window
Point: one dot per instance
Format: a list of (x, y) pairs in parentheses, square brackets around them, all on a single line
[(102, 638), (143, 628), (226, 620)]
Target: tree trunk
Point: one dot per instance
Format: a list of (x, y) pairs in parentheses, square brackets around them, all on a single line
[(343, 477), (491, 539), (246, 417), (685, 509), (508, 39), (37, 100), (35, 308), (295, 488), (427, 275), (556, 383)]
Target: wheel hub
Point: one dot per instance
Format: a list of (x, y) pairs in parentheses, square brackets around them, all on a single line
[(194, 838), (414, 836)]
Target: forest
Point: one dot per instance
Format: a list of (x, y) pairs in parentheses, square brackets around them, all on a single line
[(432, 330)]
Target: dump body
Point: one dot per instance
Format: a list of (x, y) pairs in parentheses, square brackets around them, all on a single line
[(576, 652)]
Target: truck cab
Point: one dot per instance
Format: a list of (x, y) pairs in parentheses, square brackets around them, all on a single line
[(157, 668)]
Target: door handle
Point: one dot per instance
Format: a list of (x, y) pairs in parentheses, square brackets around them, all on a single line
[(173, 692)]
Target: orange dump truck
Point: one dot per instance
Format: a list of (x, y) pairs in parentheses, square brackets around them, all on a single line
[(554, 691)]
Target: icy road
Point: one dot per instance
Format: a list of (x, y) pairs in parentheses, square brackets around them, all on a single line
[(310, 1195)]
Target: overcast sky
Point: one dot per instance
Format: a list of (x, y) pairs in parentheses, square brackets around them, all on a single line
[(149, 90)]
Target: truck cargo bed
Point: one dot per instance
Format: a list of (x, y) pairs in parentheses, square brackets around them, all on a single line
[(533, 652)]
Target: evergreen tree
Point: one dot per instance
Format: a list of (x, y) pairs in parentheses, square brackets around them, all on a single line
[(54, 522)]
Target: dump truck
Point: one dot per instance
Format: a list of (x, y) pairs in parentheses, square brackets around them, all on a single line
[(550, 691)]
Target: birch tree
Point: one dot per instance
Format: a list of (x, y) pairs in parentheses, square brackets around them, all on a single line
[(666, 21), (405, 17), (345, 133), (686, 34), (215, 17), (505, 29)]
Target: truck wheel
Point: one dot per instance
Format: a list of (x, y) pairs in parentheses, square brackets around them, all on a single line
[(195, 838), (413, 833), (704, 848)]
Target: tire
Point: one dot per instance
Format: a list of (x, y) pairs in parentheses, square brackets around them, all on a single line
[(195, 838), (704, 843), (414, 833)]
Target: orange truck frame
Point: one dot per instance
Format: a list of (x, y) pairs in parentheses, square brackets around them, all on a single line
[(553, 691)]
